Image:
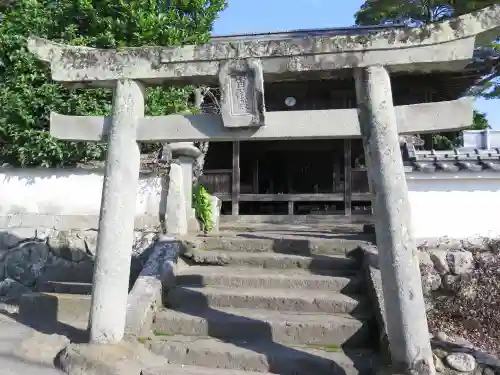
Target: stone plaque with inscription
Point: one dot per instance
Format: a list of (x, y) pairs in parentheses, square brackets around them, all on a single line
[(242, 93)]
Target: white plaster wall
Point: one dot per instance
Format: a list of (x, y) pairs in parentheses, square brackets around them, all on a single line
[(66, 192), (459, 206), (462, 205)]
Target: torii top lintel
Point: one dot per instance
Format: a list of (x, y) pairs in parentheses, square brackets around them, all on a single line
[(429, 48)]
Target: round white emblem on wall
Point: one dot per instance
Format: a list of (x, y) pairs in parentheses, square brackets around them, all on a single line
[(290, 101)]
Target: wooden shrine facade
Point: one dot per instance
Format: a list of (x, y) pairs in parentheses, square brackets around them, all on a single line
[(310, 177)]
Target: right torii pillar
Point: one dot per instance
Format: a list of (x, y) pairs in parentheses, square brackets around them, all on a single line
[(398, 262)]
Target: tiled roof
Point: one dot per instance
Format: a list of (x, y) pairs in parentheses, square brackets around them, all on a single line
[(473, 160), (307, 33)]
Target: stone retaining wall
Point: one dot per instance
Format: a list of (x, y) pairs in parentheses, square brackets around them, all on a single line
[(445, 271), (31, 257)]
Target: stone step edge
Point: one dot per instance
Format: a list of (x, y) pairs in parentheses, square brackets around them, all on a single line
[(230, 258), (40, 308), (335, 350), (214, 353), (65, 287), (345, 281), (272, 299), (313, 329), (196, 370), (281, 317), (271, 292), (278, 245)]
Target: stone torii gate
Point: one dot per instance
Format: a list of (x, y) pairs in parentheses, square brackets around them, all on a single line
[(240, 67)]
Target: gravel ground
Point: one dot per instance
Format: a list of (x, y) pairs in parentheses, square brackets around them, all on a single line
[(473, 311)]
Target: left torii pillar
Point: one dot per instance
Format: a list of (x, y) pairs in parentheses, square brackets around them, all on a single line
[(120, 185), (116, 223)]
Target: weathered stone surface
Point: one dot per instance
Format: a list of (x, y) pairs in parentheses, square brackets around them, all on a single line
[(440, 353), (442, 42), (73, 246), (31, 258), (176, 215), (242, 93), (460, 262), (462, 362), (216, 207), (424, 259), (439, 257), (26, 263), (441, 336), (423, 117), (155, 279), (450, 282), (143, 241), (439, 365), (43, 308), (398, 263), (118, 206), (41, 348), (185, 155), (12, 290), (430, 281), (125, 358), (11, 237)]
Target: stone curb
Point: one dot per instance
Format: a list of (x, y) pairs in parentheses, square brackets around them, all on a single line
[(157, 276), (374, 285), (125, 358)]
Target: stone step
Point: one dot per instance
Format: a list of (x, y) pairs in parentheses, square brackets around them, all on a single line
[(65, 287), (285, 242), (54, 307), (251, 324), (344, 281), (195, 370), (315, 263), (262, 356), (298, 300)]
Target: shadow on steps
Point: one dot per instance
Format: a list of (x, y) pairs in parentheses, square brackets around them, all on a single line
[(281, 359)]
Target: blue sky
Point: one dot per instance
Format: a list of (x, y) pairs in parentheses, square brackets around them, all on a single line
[(244, 16)]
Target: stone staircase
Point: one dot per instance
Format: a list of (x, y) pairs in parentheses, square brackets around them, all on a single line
[(273, 303)]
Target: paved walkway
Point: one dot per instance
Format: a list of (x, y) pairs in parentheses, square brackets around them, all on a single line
[(23, 350)]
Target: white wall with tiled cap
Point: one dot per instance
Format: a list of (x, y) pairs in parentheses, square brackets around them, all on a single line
[(455, 205), (481, 139)]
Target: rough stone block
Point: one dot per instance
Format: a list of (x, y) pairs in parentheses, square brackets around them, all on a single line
[(460, 262), (242, 93), (157, 276), (124, 358), (216, 207), (439, 257), (176, 215), (52, 308)]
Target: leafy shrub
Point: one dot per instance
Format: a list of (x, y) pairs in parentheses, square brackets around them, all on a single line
[(28, 94), (203, 207)]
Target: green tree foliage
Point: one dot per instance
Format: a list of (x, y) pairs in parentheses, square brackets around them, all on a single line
[(421, 12), (415, 12), (27, 93), (450, 140)]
